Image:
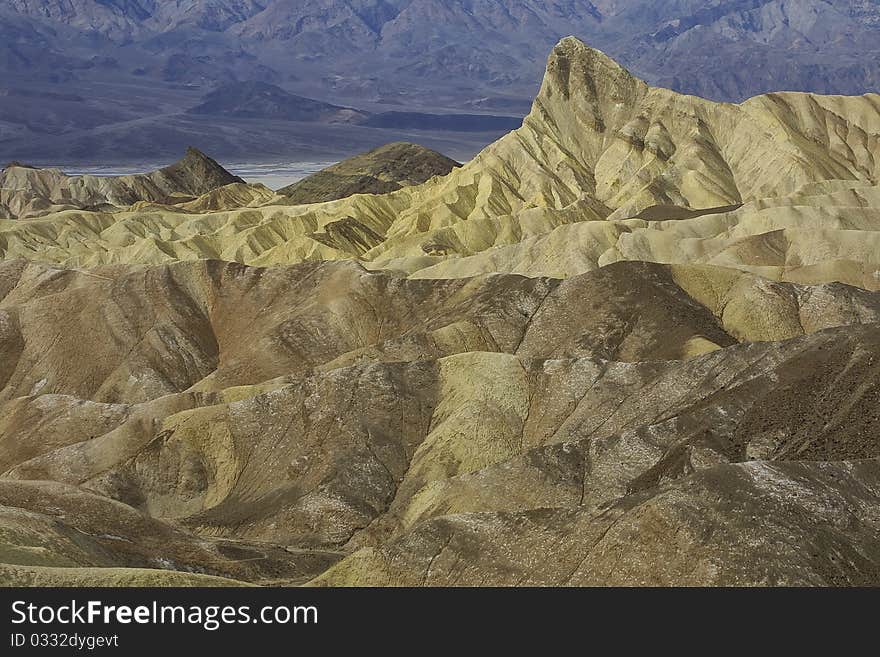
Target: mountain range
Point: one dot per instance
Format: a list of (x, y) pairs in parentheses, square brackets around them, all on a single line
[(632, 342), (158, 60)]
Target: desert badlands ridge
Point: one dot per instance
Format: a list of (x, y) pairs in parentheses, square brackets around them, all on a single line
[(634, 342)]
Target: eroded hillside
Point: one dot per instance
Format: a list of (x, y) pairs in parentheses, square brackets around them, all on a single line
[(604, 169), (633, 342)]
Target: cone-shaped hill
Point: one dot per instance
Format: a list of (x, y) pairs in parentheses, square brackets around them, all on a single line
[(379, 171)]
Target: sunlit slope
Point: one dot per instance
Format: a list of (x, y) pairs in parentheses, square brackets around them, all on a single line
[(599, 161)]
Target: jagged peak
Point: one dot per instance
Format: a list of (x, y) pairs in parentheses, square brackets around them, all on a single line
[(571, 45), (196, 173), (574, 69), (584, 94), (193, 155)]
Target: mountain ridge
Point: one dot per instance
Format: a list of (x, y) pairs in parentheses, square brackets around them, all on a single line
[(632, 342), (421, 56), (508, 408), (599, 149), (267, 101), (811, 23), (26, 191)]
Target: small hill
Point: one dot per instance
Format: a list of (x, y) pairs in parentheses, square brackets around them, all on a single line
[(260, 100), (382, 170)]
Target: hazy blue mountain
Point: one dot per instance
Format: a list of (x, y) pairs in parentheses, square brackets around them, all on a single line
[(260, 100), (144, 61)]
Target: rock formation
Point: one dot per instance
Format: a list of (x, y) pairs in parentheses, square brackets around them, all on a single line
[(634, 342), (604, 169), (28, 192)]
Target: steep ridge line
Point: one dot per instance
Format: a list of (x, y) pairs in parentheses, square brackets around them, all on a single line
[(604, 168)]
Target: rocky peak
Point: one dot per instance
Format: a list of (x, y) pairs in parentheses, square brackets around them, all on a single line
[(196, 174), (584, 95), (575, 70)]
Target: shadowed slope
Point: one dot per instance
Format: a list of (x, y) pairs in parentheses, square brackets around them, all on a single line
[(129, 335), (382, 170)]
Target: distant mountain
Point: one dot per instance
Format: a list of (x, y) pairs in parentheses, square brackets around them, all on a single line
[(260, 100), (159, 58), (737, 47), (454, 122), (121, 20)]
